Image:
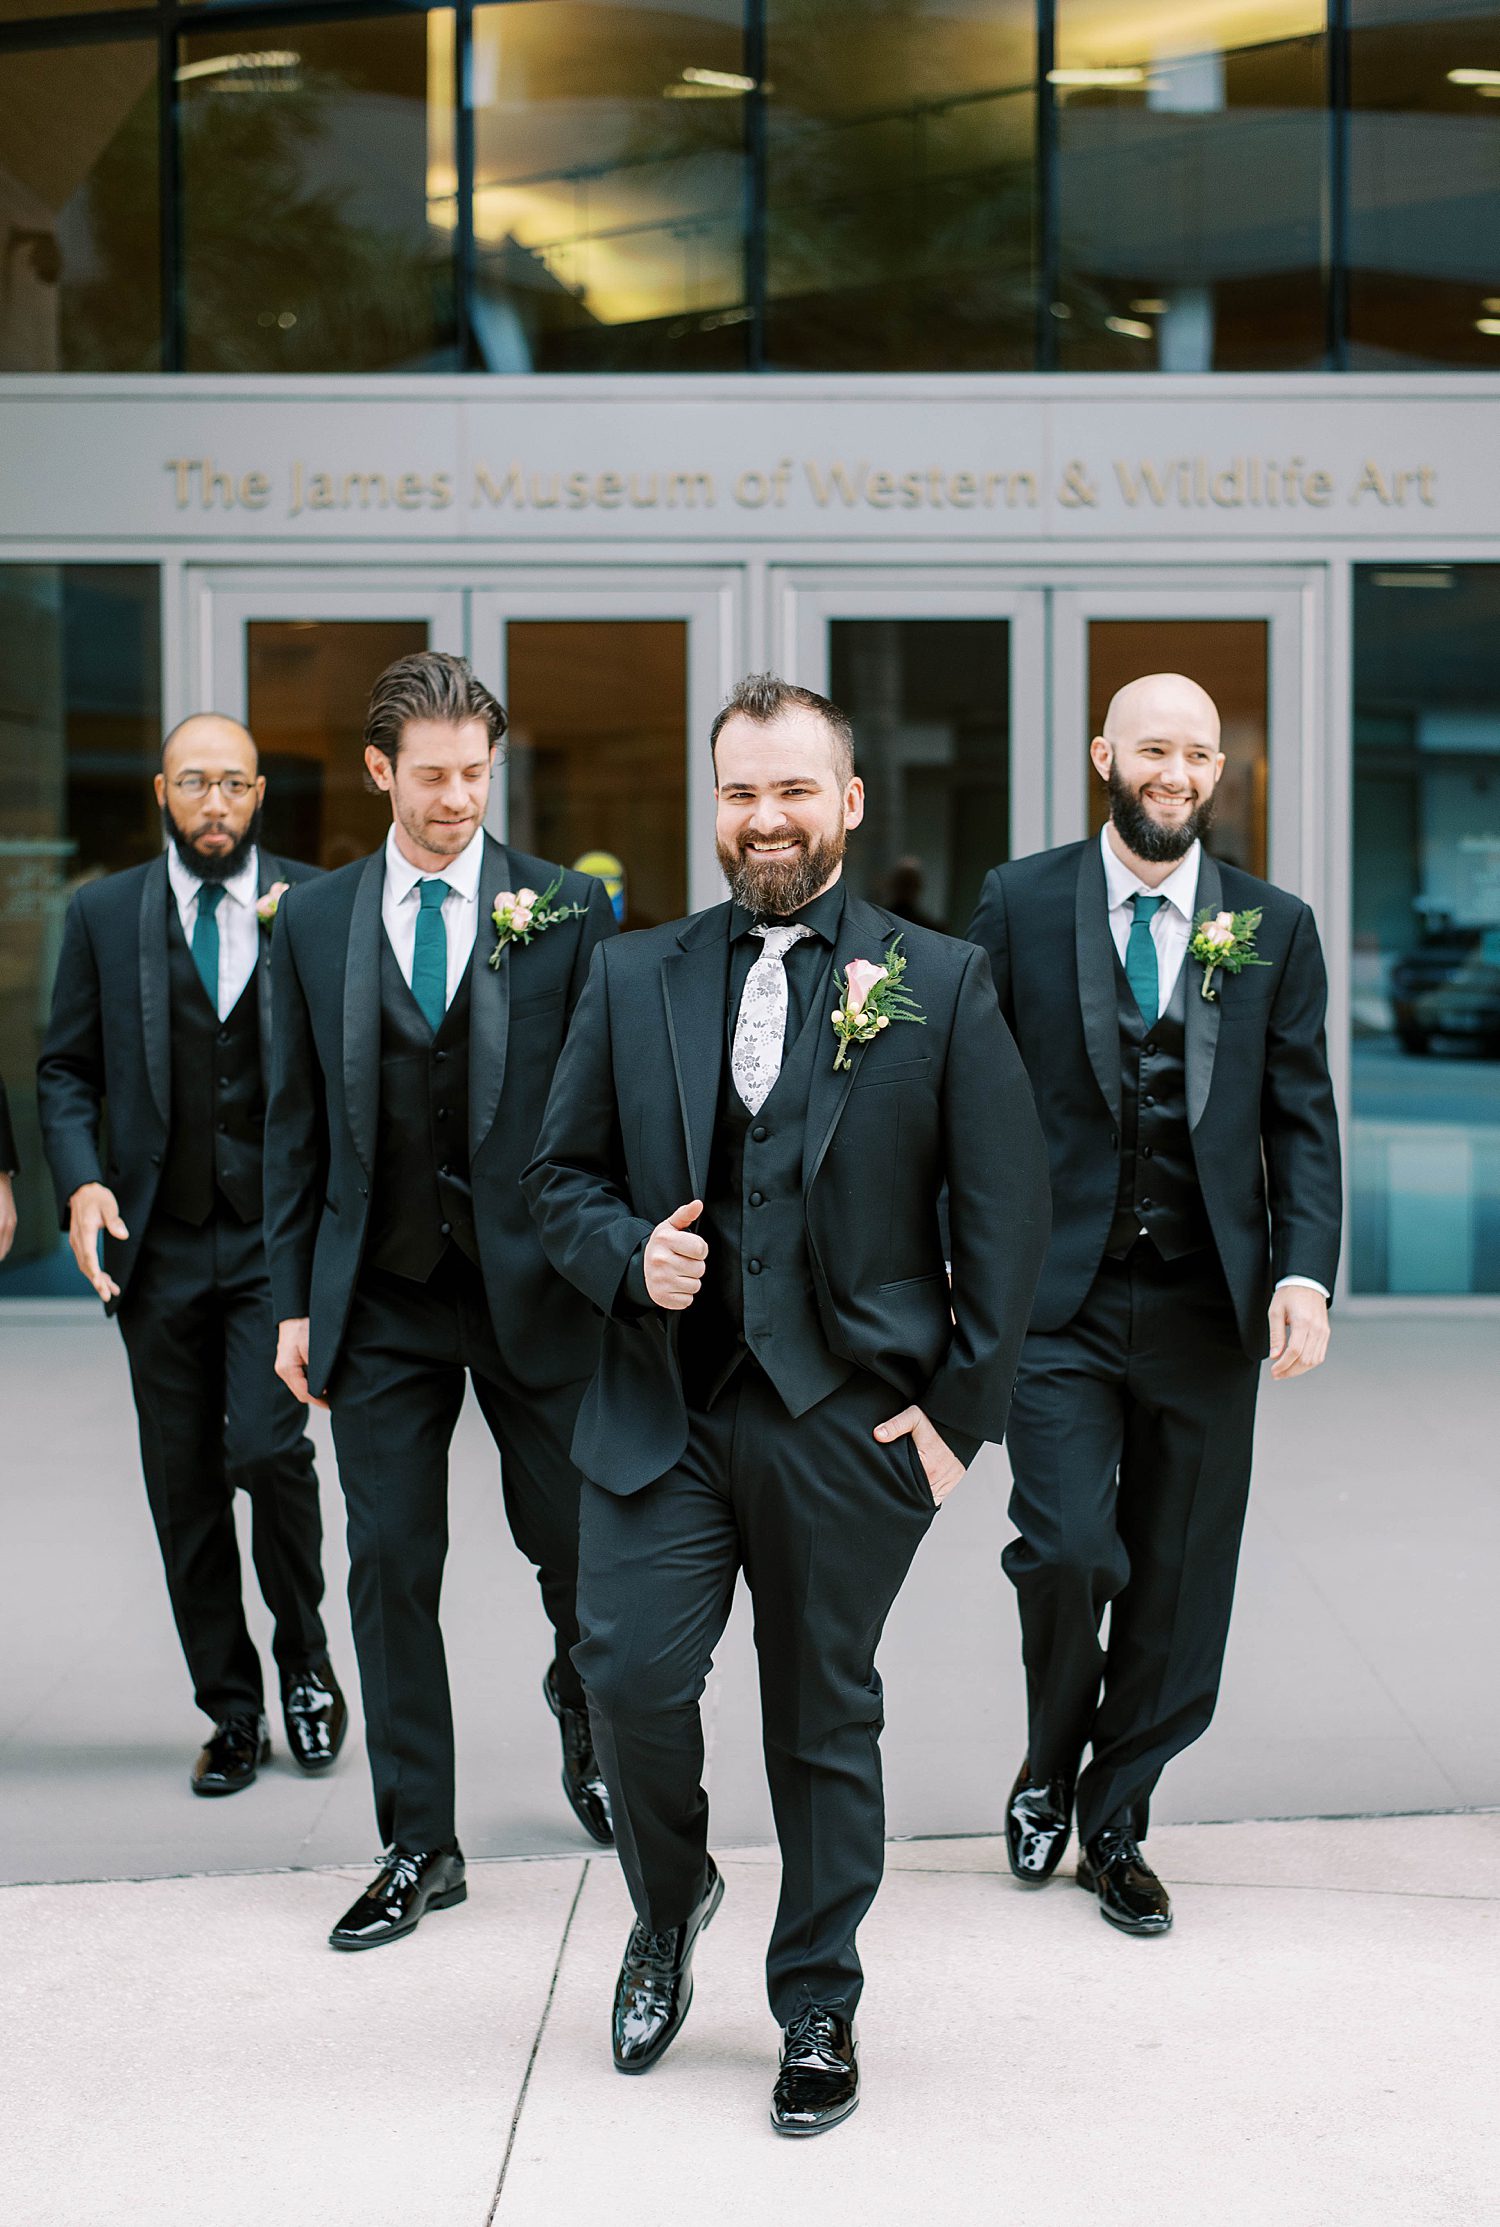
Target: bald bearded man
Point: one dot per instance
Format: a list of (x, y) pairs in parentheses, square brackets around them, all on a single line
[(161, 1022), (1197, 1203)]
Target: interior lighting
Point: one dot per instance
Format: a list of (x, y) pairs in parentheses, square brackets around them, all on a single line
[(1490, 325), (1430, 576), (1491, 308), (708, 85), (1133, 328), (1152, 306), (1132, 75), (233, 65), (1483, 79)]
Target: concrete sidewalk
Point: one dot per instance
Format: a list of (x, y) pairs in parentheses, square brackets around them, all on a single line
[(1315, 2045)]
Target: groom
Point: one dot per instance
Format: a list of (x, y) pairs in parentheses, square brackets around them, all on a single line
[(414, 1045), (1195, 1166), (749, 1194)]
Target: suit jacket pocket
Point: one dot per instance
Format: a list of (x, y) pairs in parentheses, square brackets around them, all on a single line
[(547, 1002), (893, 1071)]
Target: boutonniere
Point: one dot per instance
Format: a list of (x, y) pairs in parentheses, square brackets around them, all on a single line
[(1224, 942), (520, 914), (873, 997), (267, 906)]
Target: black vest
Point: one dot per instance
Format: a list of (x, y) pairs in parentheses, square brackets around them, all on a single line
[(757, 1294), (218, 1123), (421, 1200), (1158, 1178)]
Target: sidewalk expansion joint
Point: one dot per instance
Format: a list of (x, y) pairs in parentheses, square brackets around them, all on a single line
[(515, 2117)]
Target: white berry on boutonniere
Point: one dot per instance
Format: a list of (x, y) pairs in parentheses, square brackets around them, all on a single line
[(873, 997), (1224, 943), (520, 914), (267, 906)]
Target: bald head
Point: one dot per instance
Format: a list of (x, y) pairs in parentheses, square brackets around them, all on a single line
[(1160, 756), (210, 789), (208, 728)]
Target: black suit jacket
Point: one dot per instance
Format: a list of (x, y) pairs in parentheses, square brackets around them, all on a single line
[(1260, 1102), (627, 1137), (8, 1160), (322, 1122), (109, 1041)]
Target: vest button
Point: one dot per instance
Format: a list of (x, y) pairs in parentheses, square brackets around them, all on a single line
[(440, 1057), (755, 1267), (1145, 1205), (223, 1127), (1148, 1100), (156, 1159), (758, 1133), (445, 1169), (223, 1082), (757, 1198), (445, 1229), (223, 1036), (442, 1112), (1145, 1151)]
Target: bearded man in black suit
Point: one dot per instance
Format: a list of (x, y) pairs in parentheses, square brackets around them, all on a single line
[(415, 1045), (1170, 1012), (741, 1166), (160, 1027)]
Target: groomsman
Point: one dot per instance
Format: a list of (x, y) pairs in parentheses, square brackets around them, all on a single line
[(161, 1023), (415, 1043), (753, 1204), (9, 1164), (1195, 1177)]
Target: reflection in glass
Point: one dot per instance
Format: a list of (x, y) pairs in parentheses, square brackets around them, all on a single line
[(308, 244), (308, 683), (609, 183), (1191, 161), (80, 738), (1426, 960), (930, 702), (900, 185), (79, 255), (597, 752), (1228, 657), (1424, 184)]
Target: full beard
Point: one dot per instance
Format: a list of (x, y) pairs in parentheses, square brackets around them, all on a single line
[(222, 866), (775, 888), (1147, 837)]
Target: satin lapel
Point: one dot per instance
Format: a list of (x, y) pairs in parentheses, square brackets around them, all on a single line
[(156, 996), (863, 935), (1097, 1002), (267, 875), (362, 1011), (694, 983), (489, 1000), (1202, 1024)]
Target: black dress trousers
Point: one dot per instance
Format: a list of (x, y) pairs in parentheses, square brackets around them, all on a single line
[(396, 1395), (825, 1522), (200, 1335), (1131, 1436)]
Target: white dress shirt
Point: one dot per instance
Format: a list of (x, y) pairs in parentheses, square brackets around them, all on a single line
[(400, 904), (1171, 931), (239, 929)]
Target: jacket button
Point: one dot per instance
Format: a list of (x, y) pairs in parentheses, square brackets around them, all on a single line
[(755, 1267), (223, 1126), (758, 1133), (445, 1229), (223, 1082), (1145, 1206), (156, 1159), (1148, 1100), (440, 1057), (442, 1112), (756, 1199), (445, 1169), (364, 1190), (1145, 1151)]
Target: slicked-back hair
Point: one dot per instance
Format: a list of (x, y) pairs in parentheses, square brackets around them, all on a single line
[(762, 697), (431, 684)]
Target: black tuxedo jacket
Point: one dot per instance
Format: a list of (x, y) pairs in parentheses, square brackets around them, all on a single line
[(322, 1122), (109, 1043), (1260, 1103), (626, 1141)]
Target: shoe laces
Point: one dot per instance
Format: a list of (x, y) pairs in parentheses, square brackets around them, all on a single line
[(813, 2033), (404, 1869)]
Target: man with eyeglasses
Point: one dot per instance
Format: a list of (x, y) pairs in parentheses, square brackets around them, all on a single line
[(161, 1023)]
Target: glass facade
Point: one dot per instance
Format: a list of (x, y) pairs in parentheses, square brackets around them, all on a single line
[(80, 738), (1425, 1157), (797, 185)]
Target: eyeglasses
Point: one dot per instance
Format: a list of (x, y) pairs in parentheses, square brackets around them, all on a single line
[(232, 787)]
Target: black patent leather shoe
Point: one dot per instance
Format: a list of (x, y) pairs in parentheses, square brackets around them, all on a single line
[(231, 1756), (397, 1899), (655, 1985), (583, 1781), (316, 1716), (1038, 1820), (818, 2083), (1130, 1894)]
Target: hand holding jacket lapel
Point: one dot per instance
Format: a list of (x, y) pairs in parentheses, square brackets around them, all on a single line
[(489, 999), (863, 935), (1097, 1002), (362, 1011), (1202, 1023), (156, 1016)]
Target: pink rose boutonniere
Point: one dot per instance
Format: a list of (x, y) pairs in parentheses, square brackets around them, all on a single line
[(520, 914), (873, 997), (1224, 942), (268, 906)]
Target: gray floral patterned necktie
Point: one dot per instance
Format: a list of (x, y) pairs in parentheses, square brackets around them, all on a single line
[(760, 1031)]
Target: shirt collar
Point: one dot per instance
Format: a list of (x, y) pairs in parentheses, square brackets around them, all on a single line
[(242, 887), (824, 915), (1180, 887), (461, 873)]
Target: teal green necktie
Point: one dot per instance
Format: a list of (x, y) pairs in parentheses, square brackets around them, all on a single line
[(429, 959), (206, 939), (1140, 956)]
